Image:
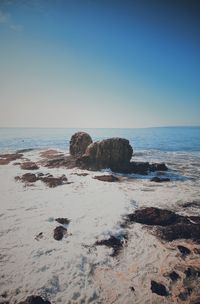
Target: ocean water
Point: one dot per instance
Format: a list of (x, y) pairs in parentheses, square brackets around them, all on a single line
[(174, 139)]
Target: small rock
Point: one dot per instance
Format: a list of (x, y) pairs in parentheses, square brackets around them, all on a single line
[(107, 178), (62, 220), (39, 236), (53, 182), (159, 289), (183, 250), (28, 178), (59, 233), (29, 166), (159, 180), (34, 300), (197, 250), (116, 243), (174, 276)]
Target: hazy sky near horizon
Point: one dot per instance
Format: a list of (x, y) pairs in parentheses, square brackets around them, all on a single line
[(106, 63)]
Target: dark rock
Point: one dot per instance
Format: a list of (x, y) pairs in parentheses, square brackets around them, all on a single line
[(158, 167), (59, 233), (153, 216), (116, 243), (29, 166), (180, 231), (28, 178), (107, 178), (53, 182), (142, 168), (113, 153), (59, 162), (174, 276), (34, 300), (159, 289), (192, 272), (183, 296), (159, 180), (132, 288), (183, 250), (39, 236), (79, 143), (7, 158), (62, 220)]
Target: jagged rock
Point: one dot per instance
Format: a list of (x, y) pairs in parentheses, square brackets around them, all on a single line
[(59, 233), (34, 300), (159, 289), (181, 231), (107, 178), (79, 143), (61, 161), (158, 167), (29, 166), (113, 153)]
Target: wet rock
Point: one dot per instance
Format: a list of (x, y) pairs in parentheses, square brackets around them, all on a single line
[(141, 168), (113, 153), (159, 289), (59, 233), (62, 220), (51, 154), (157, 179), (180, 231), (107, 178), (34, 300), (158, 167), (7, 158), (27, 178), (79, 143), (183, 250), (29, 166), (68, 162), (174, 276), (192, 272), (53, 182), (24, 150), (153, 216), (116, 243)]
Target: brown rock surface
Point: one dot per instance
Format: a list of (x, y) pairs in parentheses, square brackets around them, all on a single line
[(107, 178), (29, 166), (79, 143)]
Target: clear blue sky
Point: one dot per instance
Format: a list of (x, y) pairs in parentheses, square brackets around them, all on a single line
[(105, 63)]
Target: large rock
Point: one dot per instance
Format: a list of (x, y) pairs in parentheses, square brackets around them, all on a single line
[(79, 143), (113, 153)]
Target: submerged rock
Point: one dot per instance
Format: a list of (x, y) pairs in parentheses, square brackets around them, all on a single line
[(62, 220), (34, 300), (159, 180), (159, 289), (116, 243), (79, 143), (29, 166), (107, 178), (183, 250), (59, 233)]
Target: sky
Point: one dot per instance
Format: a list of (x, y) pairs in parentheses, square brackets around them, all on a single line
[(100, 63)]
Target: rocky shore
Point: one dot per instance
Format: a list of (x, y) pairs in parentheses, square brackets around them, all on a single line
[(173, 229)]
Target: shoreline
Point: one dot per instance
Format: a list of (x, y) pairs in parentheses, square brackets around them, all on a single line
[(72, 270)]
